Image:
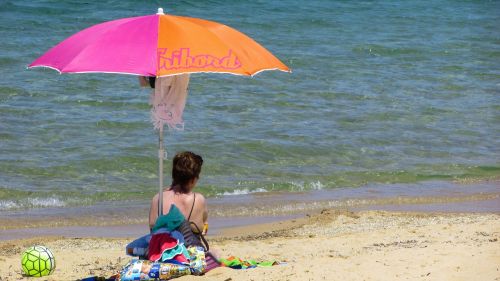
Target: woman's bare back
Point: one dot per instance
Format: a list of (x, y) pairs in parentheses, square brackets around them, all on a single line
[(192, 205)]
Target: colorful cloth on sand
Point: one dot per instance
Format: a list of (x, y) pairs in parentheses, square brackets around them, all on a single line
[(138, 270), (237, 263), (211, 261), (163, 247), (197, 260), (178, 253), (140, 247)]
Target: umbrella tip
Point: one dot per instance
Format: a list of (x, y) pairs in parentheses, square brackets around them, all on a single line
[(160, 11)]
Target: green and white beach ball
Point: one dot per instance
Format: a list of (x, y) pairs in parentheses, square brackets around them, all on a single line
[(38, 261)]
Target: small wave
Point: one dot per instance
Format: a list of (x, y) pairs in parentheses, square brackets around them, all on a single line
[(292, 186), (7, 205), (317, 185), (31, 203), (304, 186), (46, 202), (243, 191)]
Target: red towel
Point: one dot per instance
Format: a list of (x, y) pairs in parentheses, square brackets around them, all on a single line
[(158, 244)]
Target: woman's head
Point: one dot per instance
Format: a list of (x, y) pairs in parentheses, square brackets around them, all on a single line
[(186, 167)]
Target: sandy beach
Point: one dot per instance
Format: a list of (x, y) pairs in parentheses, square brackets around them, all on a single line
[(330, 245)]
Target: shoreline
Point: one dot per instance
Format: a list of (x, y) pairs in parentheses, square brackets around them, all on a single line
[(426, 196), (119, 221), (220, 225)]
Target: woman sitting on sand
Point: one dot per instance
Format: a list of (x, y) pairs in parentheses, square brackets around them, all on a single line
[(186, 170)]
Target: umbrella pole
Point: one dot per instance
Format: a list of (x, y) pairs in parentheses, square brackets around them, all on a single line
[(161, 155)]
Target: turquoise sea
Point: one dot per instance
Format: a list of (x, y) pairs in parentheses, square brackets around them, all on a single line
[(382, 92)]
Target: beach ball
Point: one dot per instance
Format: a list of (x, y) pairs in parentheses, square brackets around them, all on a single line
[(38, 261)]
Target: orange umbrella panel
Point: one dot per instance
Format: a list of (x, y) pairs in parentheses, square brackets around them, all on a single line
[(189, 45)]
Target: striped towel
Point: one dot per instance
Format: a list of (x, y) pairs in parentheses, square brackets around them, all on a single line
[(211, 262)]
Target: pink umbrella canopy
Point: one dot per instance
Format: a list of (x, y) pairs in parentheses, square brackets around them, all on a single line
[(160, 45), (120, 46)]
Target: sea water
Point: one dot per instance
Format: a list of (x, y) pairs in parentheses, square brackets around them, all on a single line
[(382, 92)]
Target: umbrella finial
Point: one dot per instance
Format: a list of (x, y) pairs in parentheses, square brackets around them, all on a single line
[(160, 11)]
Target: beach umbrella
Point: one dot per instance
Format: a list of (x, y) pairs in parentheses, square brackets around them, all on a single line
[(159, 45)]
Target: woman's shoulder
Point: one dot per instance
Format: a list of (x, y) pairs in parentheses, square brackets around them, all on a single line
[(199, 195), (199, 198), (165, 191), (155, 197)]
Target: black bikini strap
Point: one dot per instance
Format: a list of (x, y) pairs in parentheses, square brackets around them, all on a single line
[(192, 207)]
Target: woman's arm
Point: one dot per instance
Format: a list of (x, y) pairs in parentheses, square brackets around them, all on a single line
[(204, 215), (153, 211)]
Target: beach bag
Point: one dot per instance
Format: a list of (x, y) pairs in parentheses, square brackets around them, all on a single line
[(191, 238)]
